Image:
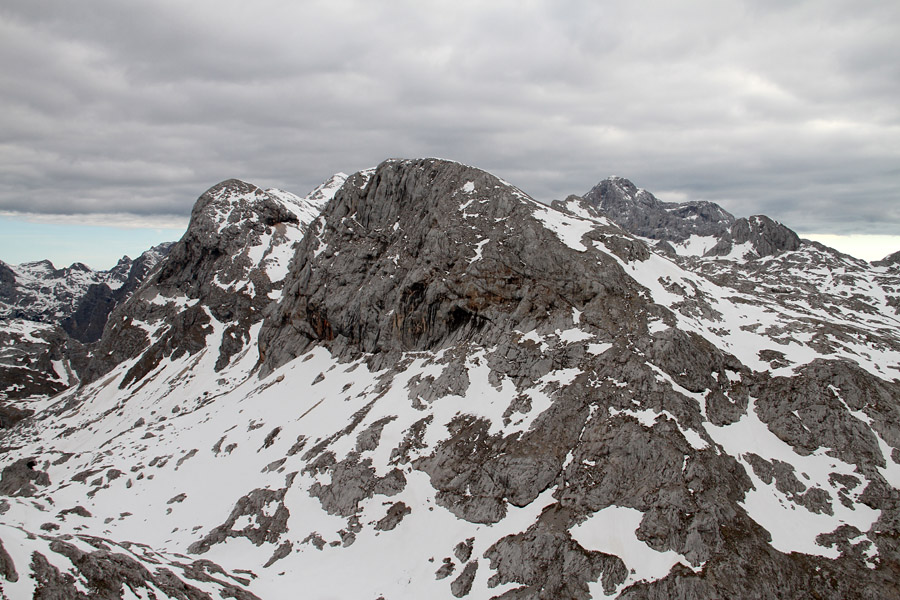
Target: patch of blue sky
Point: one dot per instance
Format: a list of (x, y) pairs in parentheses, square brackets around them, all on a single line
[(100, 247)]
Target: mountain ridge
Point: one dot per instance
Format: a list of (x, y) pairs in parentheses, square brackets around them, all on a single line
[(38, 291), (697, 228), (565, 412), (238, 240)]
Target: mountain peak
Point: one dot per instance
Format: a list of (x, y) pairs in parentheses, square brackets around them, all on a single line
[(421, 253), (227, 267), (565, 412), (230, 187), (309, 207), (641, 213), (683, 223), (233, 202), (889, 260), (326, 191), (615, 194), (756, 236)]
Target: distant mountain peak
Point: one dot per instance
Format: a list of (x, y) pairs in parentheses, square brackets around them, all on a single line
[(308, 207), (38, 291), (761, 235), (618, 194), (326, 191), (674, 225), (889, 260), (641, 213), (306, 385)]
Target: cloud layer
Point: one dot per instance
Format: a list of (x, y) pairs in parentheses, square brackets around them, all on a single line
[(783, 108)]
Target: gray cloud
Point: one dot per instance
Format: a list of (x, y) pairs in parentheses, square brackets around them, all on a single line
[(782, 108)]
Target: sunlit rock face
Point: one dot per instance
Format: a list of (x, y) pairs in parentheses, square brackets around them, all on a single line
[(418, 382)]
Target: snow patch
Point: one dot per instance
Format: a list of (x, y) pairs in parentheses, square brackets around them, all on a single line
[(612, 530), (793, 528), (570, 230)]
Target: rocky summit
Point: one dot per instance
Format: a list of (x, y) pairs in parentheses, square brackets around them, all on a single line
[(419, 382)]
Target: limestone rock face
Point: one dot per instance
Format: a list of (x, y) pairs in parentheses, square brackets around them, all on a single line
[(419, 382), (417, 255), (667, 223), (764, 236), (225, 270), (7, 281), (36, 359), (87, 320), (641, 213), (21, 478)]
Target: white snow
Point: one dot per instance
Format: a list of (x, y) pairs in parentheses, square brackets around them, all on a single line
[(613, 531), (571, 336), (696, 245), (479, 247), (567, 228), (793, 527), (598, 349)]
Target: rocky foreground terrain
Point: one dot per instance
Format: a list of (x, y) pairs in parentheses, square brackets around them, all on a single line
[(418, 382)]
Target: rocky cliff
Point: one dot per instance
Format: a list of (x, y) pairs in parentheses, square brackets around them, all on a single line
[(686, 228), (227, 268), (427, 254), (641, 213), (48, 314), (420, 382), (77, 298)]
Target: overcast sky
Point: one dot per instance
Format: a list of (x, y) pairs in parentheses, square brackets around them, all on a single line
[(124, 112)]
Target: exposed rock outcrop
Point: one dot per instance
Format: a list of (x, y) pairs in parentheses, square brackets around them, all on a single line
[(638, 212), (427, 379), (21, 478), (764, 236), (225, 269), (106, 572), (391, 266), (641, 213), (36, 359), (87, 320)]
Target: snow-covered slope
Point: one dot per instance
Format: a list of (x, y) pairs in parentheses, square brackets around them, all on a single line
[(35, 360), (76, 297), (39, 291), (444, 388)]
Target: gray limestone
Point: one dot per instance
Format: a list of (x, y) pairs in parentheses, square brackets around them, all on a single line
[(7, 567), (22, 477), (639, 212), (266, 525), (433, 260)]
